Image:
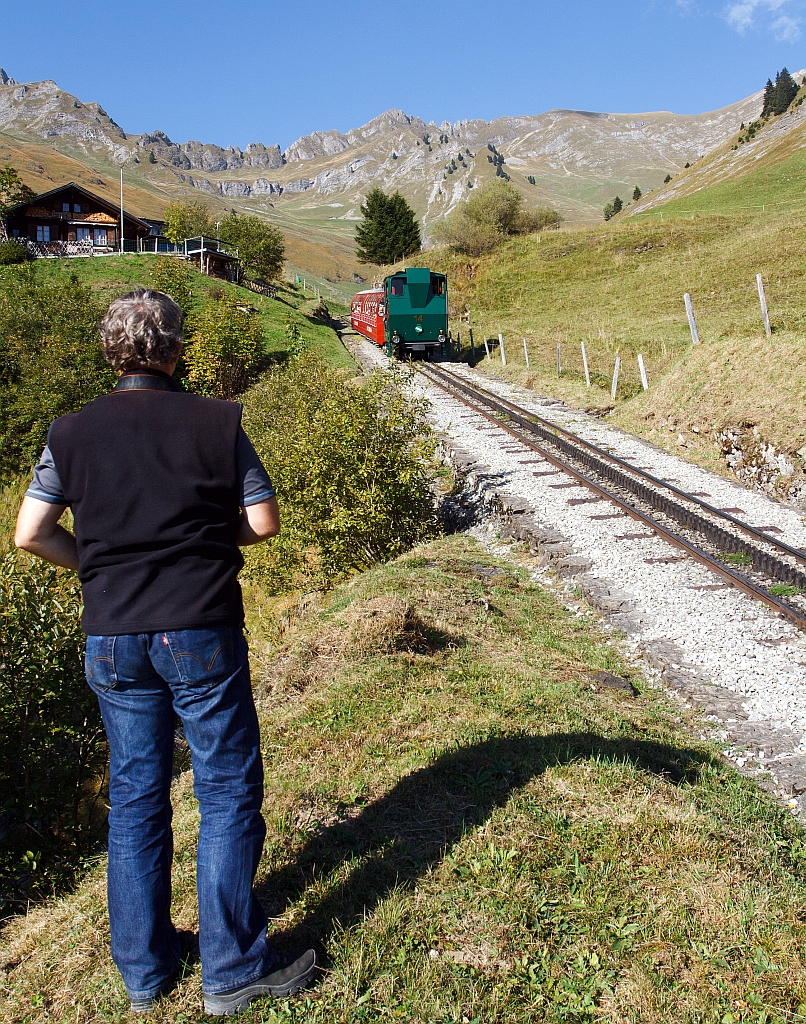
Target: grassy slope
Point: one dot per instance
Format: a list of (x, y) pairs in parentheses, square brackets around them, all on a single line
[(470, 833), (619, 289), (43, 168), (113, 275)]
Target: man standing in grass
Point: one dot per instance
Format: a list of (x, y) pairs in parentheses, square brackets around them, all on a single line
[(165, 487)]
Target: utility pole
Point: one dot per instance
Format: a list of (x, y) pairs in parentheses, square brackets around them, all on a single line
[(121, 207)]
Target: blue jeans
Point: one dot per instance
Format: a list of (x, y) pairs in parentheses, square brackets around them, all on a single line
[(141, 681)]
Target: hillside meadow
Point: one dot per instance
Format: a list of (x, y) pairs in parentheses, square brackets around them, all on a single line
[(619, 289), (110, 276)]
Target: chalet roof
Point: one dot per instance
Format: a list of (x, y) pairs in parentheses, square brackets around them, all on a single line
[(79, 188)]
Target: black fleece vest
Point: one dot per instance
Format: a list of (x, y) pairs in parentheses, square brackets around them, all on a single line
[(150, 474)]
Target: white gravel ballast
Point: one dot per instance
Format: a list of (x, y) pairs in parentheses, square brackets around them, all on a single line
[(718, 649)]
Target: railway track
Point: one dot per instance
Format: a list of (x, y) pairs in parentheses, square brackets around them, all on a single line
[(709, 535)]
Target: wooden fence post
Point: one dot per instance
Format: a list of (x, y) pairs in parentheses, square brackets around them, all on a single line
[(472, 347), (526, 353), (762, 298), (615, 378), (692, 323), (585, 364), (501, 345), (486, 348), (642, 370)]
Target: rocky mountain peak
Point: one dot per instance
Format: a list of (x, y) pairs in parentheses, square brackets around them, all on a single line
[(5, 80)]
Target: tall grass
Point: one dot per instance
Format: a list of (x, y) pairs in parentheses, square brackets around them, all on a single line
[(620, 289)]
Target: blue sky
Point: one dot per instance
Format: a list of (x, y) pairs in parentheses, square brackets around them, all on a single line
[(237, 71)]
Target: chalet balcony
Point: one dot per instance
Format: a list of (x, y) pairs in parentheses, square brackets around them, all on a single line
[(41, 250)]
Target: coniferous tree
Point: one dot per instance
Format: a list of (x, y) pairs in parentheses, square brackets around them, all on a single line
[(769, 97), (778, 97), (667, 179), (786, 90), (389, 231), (618, 206), (636, 194)]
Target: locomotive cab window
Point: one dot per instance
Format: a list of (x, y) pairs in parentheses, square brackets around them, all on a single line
[(438, 285), (398, 285)]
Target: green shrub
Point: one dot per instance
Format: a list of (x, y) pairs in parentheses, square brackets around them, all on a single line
[(227, 348), (187, 220), (491, 215), (50, 360), (52, 746), (173, 276), (12, 252), (538, 218), (351, 464), (261, 247)]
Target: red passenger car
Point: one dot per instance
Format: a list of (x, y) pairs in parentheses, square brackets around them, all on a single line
[(367, 315)]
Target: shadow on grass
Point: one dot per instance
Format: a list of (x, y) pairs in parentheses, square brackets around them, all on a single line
[(404, 833)]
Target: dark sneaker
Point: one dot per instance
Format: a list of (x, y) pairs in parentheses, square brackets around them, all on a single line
[(286, 977)]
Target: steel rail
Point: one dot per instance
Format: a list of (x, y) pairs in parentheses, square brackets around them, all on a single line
[(596, 459), (448, 382), (602, 453)]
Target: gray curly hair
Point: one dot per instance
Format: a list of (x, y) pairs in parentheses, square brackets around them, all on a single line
[(143, 328)]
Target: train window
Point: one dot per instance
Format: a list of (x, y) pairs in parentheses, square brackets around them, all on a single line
[(398, 285), (438, 285)]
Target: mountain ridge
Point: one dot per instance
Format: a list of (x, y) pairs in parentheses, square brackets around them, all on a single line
[(314, 188)]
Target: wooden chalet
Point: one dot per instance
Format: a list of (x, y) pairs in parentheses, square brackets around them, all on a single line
[(71, 221)]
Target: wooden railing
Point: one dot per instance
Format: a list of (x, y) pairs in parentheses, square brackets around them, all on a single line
[(41, 250)]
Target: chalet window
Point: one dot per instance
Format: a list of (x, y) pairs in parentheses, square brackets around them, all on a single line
[(43, 232), (99, 236), (77, 208), (82, 234), (16, 233), (65, 207)]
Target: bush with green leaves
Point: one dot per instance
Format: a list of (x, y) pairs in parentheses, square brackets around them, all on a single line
[(227, 348), (261, 248), (491, 215), (50, 359), (351, 463), (187, 220), (173, 276), (52, 746), (12, 252)]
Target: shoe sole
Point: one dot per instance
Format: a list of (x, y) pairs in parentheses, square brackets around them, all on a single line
[(221, 1006)]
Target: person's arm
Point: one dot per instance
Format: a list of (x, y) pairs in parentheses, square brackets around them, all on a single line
[(38, 531), (259, 522)]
